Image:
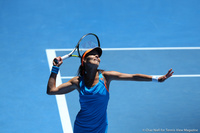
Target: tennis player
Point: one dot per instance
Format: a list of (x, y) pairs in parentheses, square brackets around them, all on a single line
[(93, 87)]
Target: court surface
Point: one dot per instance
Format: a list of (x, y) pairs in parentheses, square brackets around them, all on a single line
[(144, 106), (138, 36)]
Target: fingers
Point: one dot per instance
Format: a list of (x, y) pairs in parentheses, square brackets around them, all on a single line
[(170, 73), (57, 61)]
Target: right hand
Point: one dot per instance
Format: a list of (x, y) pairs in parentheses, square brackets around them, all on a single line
[(60, 61)]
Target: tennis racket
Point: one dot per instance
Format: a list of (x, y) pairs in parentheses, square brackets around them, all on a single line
[(88, 41)]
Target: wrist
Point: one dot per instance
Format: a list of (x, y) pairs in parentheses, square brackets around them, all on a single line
[(55, 69), (155, 78)]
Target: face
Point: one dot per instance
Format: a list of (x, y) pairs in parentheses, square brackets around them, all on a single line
[(92, 59)]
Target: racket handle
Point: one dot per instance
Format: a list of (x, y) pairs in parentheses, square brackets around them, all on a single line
[(63, 57), (56, 61), (66, 56)]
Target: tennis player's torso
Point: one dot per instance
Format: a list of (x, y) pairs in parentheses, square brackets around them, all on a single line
[(93, 101)]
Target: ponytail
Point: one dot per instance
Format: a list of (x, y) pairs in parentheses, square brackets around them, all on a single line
[(81, 71)]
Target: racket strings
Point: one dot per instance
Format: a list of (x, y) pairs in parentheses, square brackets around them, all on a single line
[(88, 42)]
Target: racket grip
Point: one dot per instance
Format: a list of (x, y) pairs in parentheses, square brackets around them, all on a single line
[(63, 57), (66, 56), (56, 61)]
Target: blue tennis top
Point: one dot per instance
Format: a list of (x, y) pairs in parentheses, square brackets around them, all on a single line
[(92, 117)]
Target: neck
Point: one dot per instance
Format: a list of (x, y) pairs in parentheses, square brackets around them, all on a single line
[(90, 73), (91, 77)]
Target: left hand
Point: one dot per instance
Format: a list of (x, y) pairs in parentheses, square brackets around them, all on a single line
[(166, 76)]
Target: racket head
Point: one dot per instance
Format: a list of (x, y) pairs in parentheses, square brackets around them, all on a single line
[(88, 41)]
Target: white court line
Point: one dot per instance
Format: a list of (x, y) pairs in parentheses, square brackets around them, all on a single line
[(174, 76), (61, 100), (67, 77), (188, 76), (152, 48)]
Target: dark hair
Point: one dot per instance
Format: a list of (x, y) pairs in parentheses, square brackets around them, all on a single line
[(81, 71)]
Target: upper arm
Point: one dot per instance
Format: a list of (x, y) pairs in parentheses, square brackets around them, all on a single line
[(114, 75), (67, 87)]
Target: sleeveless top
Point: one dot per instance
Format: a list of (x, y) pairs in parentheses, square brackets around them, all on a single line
[(92, 117)]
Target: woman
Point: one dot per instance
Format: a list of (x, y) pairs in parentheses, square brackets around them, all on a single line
[(93, 87)]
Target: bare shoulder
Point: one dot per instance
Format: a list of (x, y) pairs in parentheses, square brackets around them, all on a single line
[(75, 80), (114, 75), (110, 73)]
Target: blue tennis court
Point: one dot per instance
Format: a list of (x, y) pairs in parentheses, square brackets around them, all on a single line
[(146, 36)]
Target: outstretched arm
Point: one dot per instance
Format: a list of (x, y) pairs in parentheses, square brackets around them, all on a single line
[(113, 75)]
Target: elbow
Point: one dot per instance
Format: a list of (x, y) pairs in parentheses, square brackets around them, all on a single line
[(136, 77), (49, 91)]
